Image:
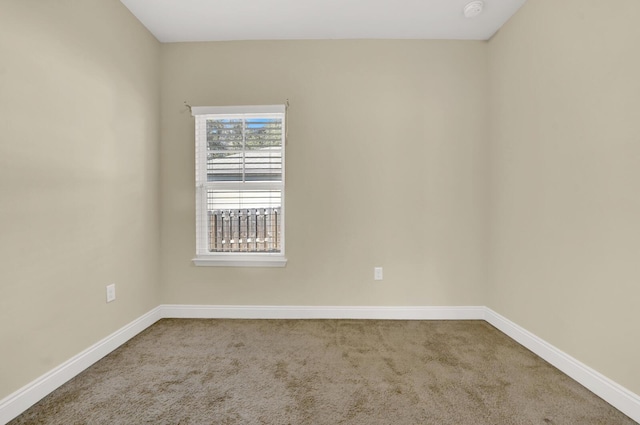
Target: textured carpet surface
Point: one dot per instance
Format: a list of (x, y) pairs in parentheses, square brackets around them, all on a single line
[(322, 372)]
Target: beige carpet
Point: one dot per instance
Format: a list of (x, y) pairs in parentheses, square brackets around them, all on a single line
[(322, 372)]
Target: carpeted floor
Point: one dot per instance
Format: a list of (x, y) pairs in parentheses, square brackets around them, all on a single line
[(322, 372)]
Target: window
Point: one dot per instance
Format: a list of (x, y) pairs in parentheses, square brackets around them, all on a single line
[(240, 185)]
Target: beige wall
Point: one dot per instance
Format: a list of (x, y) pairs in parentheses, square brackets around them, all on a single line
[(565, 179), (385, 167), (79, 125)]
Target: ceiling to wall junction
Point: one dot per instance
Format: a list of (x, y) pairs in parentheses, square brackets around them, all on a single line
[(205, 20)]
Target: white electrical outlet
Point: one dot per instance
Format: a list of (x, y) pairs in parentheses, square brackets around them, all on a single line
[(377, 273), (111, 292)]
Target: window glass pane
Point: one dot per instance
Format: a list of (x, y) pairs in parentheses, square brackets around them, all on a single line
[(263, 164), (224, 134), (263, 133), (234, 199), (247, 221), (224, 166)]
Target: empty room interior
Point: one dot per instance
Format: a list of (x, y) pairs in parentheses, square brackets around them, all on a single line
[(493, 179)]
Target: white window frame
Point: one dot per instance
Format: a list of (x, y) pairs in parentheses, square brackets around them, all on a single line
[(235, 259)]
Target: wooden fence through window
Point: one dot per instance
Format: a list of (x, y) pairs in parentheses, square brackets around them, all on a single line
[(245, 230)]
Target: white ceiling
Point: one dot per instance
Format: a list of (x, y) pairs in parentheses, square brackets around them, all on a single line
[(211, 20)]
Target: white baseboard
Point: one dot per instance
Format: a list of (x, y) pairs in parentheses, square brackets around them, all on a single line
[(321, 312), (613, 393), (16, 403), (619, 397)]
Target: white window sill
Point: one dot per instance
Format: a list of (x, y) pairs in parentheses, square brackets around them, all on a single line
[(240, 261)]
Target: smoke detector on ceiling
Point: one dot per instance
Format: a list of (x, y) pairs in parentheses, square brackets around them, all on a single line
[(473, 9)]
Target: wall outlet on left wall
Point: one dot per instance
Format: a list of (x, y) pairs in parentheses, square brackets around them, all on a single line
[(111, 292)]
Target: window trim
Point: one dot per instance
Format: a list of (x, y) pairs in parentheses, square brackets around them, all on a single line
[(239, 259)]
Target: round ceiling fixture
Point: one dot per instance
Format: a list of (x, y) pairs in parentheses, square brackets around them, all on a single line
[(473, 9)]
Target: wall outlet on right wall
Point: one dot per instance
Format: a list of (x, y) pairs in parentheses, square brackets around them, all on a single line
[(377, 273)]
